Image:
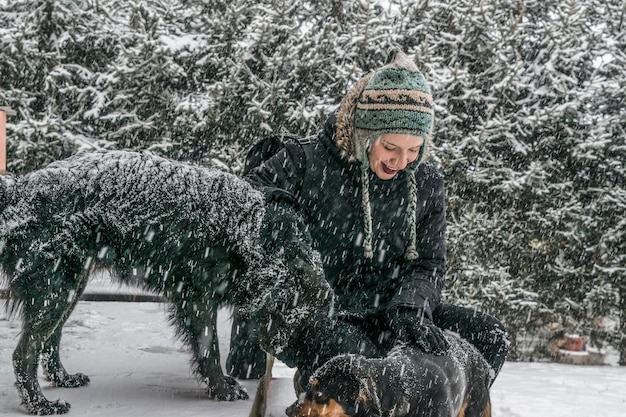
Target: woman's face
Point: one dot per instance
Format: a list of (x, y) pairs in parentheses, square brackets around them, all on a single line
[(392, 152)]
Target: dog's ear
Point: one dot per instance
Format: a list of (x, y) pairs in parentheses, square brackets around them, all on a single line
[(367, 403), (358, 369)]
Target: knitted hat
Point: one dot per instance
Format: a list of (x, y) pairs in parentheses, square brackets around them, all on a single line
[(393, 99), (396, 99)]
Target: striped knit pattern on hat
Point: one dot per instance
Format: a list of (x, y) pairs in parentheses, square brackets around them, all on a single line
[(396, 99)]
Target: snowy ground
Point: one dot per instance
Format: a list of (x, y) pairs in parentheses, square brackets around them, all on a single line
[(137, 367)]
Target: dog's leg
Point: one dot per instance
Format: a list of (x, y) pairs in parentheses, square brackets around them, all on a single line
[(480, 406), (39, 323), (25, 362), (50, 358), (47, 300), (53, 368), (196, 315)]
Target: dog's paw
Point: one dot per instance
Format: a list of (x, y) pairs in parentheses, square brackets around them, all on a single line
[(64, 380), (227, 390), (72, 381), (47, 408), (34, 401)]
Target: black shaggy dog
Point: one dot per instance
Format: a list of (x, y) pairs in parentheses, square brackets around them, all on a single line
[(200, 237), (406, 383)]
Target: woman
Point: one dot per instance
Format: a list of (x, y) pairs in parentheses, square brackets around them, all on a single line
[(376, 213)]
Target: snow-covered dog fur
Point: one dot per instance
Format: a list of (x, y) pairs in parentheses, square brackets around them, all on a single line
[(405, 383), (192, 234)]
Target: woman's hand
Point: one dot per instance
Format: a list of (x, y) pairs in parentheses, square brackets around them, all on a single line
[(412, 327)]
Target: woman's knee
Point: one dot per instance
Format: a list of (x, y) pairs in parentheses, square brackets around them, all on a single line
[(493, 342), (483, 330)]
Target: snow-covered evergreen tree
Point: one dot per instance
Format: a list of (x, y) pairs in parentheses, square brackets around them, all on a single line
[(527, 155), (40, 78)]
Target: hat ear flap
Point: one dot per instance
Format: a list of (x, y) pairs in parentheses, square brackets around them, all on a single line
[(345, 138)]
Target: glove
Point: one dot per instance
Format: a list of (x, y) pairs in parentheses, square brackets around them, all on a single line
[(413, 327)]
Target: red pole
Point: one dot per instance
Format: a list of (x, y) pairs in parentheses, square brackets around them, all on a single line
[(3, 137)]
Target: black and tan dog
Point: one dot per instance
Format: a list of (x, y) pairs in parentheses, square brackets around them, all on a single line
[(197, 236), (406, 383)]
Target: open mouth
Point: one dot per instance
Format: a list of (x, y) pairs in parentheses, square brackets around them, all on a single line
[(388, 170)]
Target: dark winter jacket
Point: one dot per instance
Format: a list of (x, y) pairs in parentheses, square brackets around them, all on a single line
[(327, 190)]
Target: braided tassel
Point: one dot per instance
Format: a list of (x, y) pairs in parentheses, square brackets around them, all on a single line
[(411, 252), (367, 214)]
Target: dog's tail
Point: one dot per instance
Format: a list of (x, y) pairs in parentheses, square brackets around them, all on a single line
[(7, 186)]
